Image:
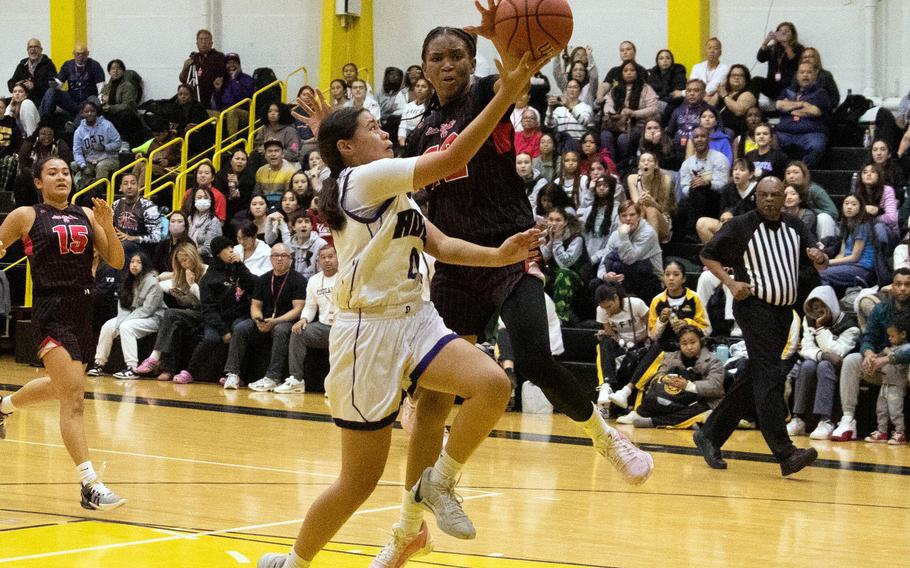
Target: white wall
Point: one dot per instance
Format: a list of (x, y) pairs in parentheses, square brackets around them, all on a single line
[(602, 24), (156, 38), (26, 20)]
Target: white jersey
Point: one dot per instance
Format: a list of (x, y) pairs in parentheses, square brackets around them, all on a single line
[(380, 246)]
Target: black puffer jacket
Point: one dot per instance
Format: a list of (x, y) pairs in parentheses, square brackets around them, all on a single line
[(225, 291)]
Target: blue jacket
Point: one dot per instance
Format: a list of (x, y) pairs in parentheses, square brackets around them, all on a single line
[(95, 143), (82, 83), (233, 91)]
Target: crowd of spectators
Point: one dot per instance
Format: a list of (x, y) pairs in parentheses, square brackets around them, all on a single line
[(619, 168)]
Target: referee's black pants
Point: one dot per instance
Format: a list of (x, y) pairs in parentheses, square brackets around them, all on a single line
[(765, 330)]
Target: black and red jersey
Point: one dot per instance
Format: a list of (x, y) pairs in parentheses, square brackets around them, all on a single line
[(59, 246), (485, 203)]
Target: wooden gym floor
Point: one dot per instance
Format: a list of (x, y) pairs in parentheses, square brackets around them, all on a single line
[(217, 478)]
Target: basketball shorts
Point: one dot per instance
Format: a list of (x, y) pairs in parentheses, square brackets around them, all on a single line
[(64, 320), (375, 356), (467, 297)]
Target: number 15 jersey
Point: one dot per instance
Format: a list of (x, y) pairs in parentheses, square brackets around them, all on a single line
[(59, 247), (380, 246)]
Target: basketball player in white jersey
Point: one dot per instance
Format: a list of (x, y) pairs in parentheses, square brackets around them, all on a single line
[(385, 337)]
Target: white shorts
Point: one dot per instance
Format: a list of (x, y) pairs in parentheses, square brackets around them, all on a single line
[(375, 356)]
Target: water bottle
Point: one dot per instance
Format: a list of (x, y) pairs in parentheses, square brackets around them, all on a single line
[(853, 181), (723, 353), (867, 139)]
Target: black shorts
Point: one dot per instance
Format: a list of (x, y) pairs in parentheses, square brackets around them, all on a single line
[(64, 320), (467, 297)]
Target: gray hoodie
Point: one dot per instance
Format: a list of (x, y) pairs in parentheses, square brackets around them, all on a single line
[(839, 338)]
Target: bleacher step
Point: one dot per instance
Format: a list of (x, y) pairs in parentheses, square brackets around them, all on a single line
[(845, 158)]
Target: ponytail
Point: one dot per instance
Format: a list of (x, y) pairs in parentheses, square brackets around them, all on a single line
[(339, 125)]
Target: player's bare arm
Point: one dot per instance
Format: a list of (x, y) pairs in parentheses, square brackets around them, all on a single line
[(106, 241), (16, 225), (450, 250)]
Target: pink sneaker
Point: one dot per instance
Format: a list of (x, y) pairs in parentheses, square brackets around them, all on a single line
[(402, 548), (877, 437), (147, 367), (183, 378), (897, 439), (166, 376)]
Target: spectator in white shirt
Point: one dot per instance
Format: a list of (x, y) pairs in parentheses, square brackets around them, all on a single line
[(252, 252), (569, 117), (310, 331), (413, 111), (711, 70)]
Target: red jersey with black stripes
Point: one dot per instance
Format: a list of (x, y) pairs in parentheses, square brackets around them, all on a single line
[(59, 246), (485, 203)]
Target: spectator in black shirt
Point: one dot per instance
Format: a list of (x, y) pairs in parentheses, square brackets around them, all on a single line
[(768, 160), (82, 76), (782, 51), (278, 299), (766, 250), (668, 79), (37, 70)]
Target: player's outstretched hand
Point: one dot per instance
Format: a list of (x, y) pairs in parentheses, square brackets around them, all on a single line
[(104, 215), (520, 246), (487, 27), (514, 80), (316, 108)]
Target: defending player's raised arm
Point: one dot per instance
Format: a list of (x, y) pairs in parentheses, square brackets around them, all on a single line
[(15, 226), (106, 241), (450, 250), (435, 166)]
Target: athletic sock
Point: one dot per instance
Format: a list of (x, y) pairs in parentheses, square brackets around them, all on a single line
[(86, 472), (642, 422), (6, 405), (411, 514), (596, 426), (445, 468), (155, 356), (295, 561)]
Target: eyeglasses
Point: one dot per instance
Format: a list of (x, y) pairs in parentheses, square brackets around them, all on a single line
[(280, 256)]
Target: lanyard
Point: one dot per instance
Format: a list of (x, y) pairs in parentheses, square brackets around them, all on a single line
[(280, 289)]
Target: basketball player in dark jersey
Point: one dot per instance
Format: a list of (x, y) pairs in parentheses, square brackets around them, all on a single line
[(484, 204), (59, 240)]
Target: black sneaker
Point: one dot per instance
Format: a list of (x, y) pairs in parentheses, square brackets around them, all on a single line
[(96, 370), (712, 454), (127, 373), (3, 424), (95, 496), (800, 458)]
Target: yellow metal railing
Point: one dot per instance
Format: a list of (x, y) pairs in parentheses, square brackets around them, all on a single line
[(148, 169), (282, 86), (185, 150), (220, 154), (180, 185), (219, 131), (29, 285), (107, 191)]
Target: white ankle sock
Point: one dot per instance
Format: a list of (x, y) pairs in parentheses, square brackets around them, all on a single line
[(596, 425), (6, 405), (411, 514), (445, 467), (86, 472), (295, 561), (155, 356)]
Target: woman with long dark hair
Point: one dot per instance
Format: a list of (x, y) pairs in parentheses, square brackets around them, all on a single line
[(238, 180), (379, 234), (734, 98), (601, 217), (627, 106), (781, 50), (668, 79), (277, 124), (881, 204)]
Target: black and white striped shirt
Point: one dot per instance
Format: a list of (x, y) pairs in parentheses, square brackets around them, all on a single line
[(764, 254)]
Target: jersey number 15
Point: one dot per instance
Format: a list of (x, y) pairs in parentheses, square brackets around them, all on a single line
[(71, 238)]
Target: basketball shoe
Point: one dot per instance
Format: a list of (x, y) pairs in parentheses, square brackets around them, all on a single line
[(439, 498), (272, 560), (3, 418), (633, 464), (96, 496), (403, 547)]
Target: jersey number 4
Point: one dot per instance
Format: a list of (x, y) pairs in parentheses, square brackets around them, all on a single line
[(71, 238)]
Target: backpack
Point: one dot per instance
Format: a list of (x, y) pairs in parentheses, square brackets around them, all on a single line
[(845, 127)]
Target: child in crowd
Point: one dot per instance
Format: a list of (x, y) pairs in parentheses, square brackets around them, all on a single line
[(548, 198), (533, 179), (890, 405), (566, 261), (828, 336), (674, 309), (625, 328), (602, 216), (305, 244), (854, 265), (795, 206), (277, 228), (572, 181), (548, 163)]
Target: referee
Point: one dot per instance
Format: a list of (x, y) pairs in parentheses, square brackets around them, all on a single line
[(765, 249)]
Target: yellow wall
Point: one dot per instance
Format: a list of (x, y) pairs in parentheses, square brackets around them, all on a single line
[(68, 27), (688, 26), (339, 45)]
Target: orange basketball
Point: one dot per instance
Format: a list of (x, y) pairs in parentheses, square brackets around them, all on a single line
[(542, 27)]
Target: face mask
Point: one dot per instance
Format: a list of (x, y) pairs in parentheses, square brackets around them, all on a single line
[(203, 205)]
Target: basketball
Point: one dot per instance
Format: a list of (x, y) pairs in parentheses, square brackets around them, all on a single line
[(542, 27)]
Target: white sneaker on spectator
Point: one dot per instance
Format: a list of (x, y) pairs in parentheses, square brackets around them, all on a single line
[(620, 398), (603, 395), (232, 381), (736, 331), (289, 386), (845, 431), (265, 384), (628, 418), (796, 427), (823, 430)]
